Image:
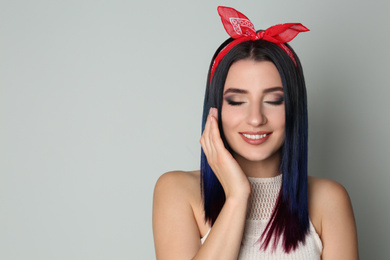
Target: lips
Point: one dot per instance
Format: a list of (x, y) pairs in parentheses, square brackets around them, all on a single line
[(255, 138)]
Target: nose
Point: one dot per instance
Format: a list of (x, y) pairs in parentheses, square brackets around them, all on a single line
[(256, 116)]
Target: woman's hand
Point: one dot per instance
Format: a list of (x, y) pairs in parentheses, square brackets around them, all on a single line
[(228, 171)]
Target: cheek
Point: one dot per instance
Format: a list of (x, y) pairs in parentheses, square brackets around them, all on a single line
[(281, 120), (280, 124), (231, 116), (276, 117)]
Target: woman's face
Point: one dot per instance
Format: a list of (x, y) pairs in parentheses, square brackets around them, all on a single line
[(252, 114)]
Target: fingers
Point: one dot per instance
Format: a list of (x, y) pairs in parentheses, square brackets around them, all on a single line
[(210, 133), (215, 135), (214, 112), (211, 141), (204, 141)]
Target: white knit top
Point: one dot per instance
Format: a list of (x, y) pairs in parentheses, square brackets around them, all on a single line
[(263, 198)]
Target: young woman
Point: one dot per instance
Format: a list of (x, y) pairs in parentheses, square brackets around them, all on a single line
[(252, 198)]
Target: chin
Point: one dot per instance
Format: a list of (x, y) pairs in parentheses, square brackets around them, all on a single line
[(259, 157)]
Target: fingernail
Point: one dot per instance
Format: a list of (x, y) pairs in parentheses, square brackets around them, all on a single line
[(214, 112)]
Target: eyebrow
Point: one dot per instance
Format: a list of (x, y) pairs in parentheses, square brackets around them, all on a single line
[(268, 90), (235, 90), (243, 91)]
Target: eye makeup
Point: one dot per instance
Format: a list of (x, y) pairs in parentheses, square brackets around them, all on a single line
[(232, 102), (278, 101), (236, 96)]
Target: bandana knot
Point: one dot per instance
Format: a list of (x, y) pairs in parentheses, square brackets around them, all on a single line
[(241, 29), (260, 35)]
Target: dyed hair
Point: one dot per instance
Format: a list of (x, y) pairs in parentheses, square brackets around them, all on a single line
[(290, 216)]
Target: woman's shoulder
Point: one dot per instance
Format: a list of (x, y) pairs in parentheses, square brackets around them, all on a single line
[(328, 200), (178, 181), (179, 187), (177, 194), (326, 195), (320, 188)]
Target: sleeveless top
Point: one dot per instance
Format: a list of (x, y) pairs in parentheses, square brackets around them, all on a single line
[(261, 203)]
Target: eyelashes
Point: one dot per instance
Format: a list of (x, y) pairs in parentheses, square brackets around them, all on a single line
[(233, 103), (237, 103), (276, 102)]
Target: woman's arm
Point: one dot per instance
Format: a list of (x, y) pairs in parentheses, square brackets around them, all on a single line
[(176, 232), (338, 228)]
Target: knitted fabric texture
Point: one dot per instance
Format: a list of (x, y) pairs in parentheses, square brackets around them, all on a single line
[(263, 198), (261, 203)]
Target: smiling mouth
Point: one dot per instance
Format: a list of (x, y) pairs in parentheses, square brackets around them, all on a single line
[(254, 137)]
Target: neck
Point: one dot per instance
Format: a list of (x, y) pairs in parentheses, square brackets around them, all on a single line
[(267, 168)]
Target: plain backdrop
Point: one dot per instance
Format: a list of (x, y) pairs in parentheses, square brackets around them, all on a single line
[(99, 98)]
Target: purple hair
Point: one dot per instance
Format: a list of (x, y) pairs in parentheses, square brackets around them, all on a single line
[(290, 216)]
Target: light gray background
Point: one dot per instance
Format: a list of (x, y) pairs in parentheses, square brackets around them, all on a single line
[(99, 98)]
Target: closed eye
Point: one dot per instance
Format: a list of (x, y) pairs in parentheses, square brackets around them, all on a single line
[(234, 103), (275, 103)]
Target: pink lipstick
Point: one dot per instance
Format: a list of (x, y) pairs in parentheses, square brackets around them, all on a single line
[(255, 138)]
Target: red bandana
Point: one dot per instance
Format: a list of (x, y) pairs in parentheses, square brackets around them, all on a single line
[(240, 28)]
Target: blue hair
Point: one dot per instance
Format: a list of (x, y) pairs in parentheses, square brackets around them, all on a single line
[(290, 217)]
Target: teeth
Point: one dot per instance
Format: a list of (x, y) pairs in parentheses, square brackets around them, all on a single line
[(254, 136)]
